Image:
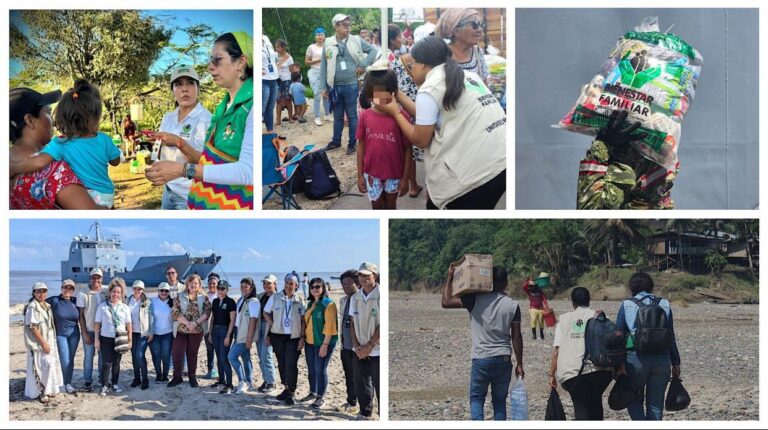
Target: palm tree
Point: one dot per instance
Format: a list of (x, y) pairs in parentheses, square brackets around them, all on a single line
[(614, 232)]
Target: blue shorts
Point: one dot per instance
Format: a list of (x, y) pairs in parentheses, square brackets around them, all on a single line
[(377, 186)]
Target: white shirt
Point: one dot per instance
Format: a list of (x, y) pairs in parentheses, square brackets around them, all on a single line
[(162, 317), (268, 57), (104, 316), (284, 70), (254, 307), (315, 53), (135, 307), (239, 172), (176, 289), (192, 129)]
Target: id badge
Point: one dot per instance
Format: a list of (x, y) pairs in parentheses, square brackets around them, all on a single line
[(343, 65), (286, 322), (270, 68)]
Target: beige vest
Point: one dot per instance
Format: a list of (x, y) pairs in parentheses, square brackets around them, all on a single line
[(46, 327), (278, 313), (332, 51), (572, 327), (145, 318), (92, 302), (243, 319), (367, 315), (470, 147)]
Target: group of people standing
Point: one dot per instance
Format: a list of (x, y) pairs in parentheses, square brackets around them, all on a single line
[(205, 160), (281, 324), (430, 104), (497, 342)]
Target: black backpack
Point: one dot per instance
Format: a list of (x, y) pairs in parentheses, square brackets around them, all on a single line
[(298, 178), (320, 181), (652, 334), (605, 344)]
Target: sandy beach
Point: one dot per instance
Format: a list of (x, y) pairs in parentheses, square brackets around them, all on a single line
[(161, 403), (430, 361)]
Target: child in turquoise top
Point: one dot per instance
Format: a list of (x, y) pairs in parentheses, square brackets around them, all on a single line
[(82, 146)]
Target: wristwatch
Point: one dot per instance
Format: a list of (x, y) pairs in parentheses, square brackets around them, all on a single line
[(189, 170)]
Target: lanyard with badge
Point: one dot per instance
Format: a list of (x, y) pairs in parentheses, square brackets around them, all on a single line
[(287, 315), (268, 56), (342, 63)]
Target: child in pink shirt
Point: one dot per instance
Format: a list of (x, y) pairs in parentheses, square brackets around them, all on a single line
[(382, 148)]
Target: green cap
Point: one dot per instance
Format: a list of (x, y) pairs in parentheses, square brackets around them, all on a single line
[(246, 45)]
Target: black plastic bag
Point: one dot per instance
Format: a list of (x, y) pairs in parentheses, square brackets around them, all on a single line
[(555, 411), (622, 394), (677, 396)]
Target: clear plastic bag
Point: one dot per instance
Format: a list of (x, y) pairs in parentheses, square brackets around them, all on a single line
[(518, 401), (653, 76)]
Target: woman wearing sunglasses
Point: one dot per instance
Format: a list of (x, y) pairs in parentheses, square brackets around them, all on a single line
[(464, 28), (460, 126), (222, 178), (223, 311), (321, 335), (162, 330)]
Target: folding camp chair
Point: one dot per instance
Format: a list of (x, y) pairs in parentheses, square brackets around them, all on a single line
[(276, 172)]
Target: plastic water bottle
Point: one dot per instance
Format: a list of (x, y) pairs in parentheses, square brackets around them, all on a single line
[(518, 401)]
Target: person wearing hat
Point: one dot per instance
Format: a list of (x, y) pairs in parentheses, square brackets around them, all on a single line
[(263, 347), (364, 327), (30, 130), (88, 302), (284, 313), (182, 132), (344, 58), (313, 58), (162, 332), (222, 326), (222, 178), (44, 378), (538, 305), (66, 319), (463, 28), (142, 316), (213, 284)]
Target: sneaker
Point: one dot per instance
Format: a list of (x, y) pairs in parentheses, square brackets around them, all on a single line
[(214, 374), (268, 388), (70, 389), (282, 396), (348, 408), (174, 382), (361, 417), (88, 387), (145, 384), (329, 118), (318, 121), (242, 388), (44, 399), (208, 375), (193, 383), (331, 146), (302, 121), (218, 384), (319, 402), (227, 389), (117, 389), (135, 383), (351, 149), (308, 397), (262, 387), (104, 391), (289, 400)]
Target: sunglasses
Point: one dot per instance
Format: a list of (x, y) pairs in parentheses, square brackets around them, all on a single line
[(475, 24), (163, 291), (214, 60), (221, 288), (316, 287)]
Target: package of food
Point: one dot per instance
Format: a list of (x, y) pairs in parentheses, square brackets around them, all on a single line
[(473, 274), (653, 76)]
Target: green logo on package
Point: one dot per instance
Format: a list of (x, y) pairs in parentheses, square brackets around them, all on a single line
[(635, 71)]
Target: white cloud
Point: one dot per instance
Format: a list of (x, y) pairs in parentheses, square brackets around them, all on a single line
[(254, 253), (174, 248)]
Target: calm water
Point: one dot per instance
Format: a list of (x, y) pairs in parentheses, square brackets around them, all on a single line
[(22, 281)]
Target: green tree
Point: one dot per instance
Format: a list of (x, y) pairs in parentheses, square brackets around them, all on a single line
[(613, 233)]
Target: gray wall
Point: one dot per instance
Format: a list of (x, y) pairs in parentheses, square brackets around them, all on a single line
[(560, 50)]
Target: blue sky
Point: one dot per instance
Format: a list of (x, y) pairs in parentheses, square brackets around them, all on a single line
[(245, 245), (221, 21)]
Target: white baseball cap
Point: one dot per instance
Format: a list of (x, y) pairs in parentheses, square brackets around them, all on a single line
[(97, 271), (338, 18), (138, 284), (39, 286), (368, 269), (270, 278), (182, 71)]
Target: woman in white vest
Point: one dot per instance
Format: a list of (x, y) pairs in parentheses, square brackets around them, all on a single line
[(182, 133), (44, 377), (246, 330), (461, 127), (191, 309), (284, 313), (113, 328), (162, 331), (142, 316), (585, 385)]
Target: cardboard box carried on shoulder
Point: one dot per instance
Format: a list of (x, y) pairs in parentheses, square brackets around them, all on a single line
[(473, 274)]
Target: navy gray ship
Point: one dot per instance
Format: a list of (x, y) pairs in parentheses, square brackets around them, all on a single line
[(107, 253)]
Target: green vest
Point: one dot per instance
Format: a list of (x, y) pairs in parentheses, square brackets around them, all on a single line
[(229, 124)]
